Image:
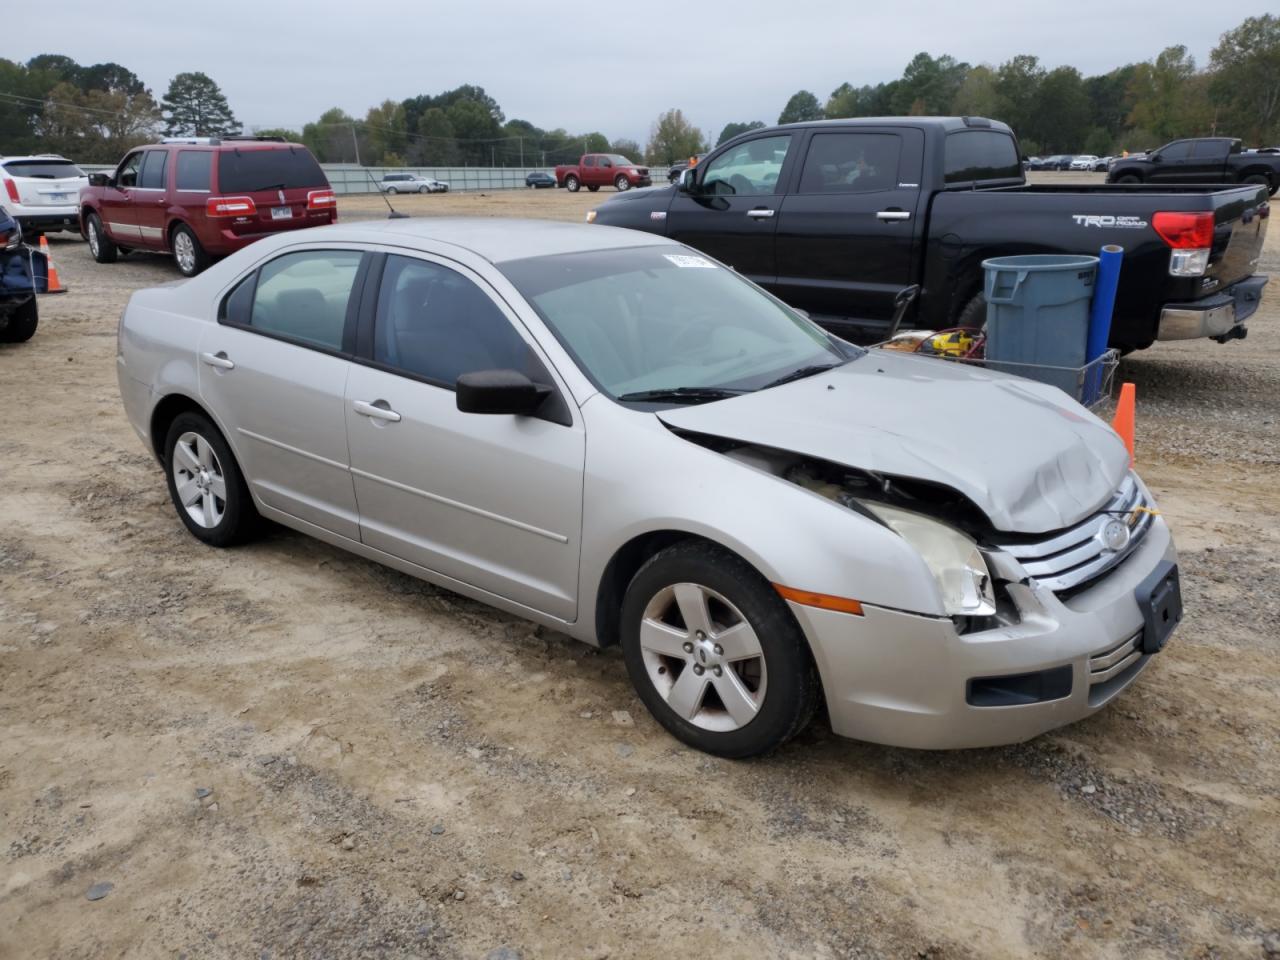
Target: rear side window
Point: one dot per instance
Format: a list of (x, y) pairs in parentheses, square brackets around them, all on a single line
[(300, 296), (851, 163), (434, 323), (248, 171), (43, 169), (193, 169), (981, 155), (153, 166), (1211, 149)]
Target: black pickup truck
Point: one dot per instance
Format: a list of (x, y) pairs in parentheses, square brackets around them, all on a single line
[(1203, 160), (838, 217)]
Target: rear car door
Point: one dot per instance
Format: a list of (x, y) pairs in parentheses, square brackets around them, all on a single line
[(273, 370), (590, 175), (732, 215), (846, 232), (493, 501), (1208, 162), (116, 202), (151, 197)]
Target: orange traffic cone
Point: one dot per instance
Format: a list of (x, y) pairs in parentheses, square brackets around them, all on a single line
[(55, 284), (1122, 423)]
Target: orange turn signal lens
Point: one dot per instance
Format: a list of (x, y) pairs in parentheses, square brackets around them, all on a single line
[(823, 601)]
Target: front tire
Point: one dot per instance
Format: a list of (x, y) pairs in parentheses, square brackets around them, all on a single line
[(1128, 178), (424, 189), (715, 654), (622, 183), (101, 246), (205, 482), (188, 254), (22, 323), (571, 184)]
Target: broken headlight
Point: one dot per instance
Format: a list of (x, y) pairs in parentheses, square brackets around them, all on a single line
[(953, 558)]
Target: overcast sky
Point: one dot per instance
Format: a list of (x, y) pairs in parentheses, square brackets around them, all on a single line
[(282, 62)]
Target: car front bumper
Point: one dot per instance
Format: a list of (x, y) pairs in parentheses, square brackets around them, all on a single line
[(1215, 316), (906, 680)]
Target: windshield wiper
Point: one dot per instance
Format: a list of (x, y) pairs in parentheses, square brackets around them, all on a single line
[(800, 374), (269, 186), (680, 395)]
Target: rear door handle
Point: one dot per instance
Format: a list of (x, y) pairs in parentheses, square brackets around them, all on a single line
[(760, 213), (893, 215), (219, 360), (378, 409)]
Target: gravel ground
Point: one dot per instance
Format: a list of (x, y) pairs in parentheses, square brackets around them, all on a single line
[(285, 751)]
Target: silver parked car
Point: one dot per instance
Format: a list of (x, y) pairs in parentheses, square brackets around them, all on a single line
[(612, 435), (411, 183)]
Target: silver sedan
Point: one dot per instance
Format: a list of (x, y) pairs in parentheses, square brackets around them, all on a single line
[(612, 435)]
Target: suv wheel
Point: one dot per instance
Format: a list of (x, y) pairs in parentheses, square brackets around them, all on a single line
[(100, 245), (571, 183), (622, 183), (715, 654), (187, 252), (22, 323), (205, 482)]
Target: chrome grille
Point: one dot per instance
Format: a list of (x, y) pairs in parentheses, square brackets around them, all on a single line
[(1111, 663), (1073, 557)]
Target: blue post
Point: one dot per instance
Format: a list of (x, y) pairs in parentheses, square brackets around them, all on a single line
[(1104, 300)]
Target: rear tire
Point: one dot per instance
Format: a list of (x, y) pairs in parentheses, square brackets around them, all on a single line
[(571, 183), (698, 591), (22, 323), (974, 313), (205, 483), (188, 255), (101, 246), (1261, 180)]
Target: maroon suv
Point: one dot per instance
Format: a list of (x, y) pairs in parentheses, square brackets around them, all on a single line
[(202, 198)]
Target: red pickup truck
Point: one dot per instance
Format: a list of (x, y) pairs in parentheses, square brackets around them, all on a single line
[(596, 170)]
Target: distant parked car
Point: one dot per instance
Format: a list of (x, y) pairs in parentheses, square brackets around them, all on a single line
[(1059, 161), (19, 283), (1084, 161), (539, 179), (412, 183), (673, 174), (1201, 160), (1102, 164), (42, 192), (202, 197), (596, 170)]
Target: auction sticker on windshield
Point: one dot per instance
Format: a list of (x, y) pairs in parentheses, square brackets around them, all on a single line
[(683, 260)]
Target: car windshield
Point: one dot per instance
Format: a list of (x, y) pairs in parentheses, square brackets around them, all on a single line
[(620, 161), (646, 321)]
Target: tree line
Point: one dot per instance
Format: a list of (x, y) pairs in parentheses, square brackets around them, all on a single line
[(94, 113)]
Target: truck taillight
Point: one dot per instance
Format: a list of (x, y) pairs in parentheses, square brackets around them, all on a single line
[(12, 189), (230, 207), (1191, 237), (321, 200)]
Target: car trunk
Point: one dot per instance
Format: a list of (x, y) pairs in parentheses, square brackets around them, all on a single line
[(46, 183), (279, 182)]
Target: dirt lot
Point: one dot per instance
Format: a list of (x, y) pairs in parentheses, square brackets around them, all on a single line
[(284, 751)]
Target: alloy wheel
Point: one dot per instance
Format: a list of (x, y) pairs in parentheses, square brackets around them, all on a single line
[(184, 251), (93, 238), (703, 657), (199, 480)]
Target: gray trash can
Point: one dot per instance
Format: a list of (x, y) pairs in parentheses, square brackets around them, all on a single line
[(1038, 315)]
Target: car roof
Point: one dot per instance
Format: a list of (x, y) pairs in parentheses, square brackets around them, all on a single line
[(496, 239), (36, 156)]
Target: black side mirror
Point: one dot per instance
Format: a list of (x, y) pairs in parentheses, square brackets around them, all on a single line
[(688, 182), (500, 391), (1154, 158), (99, 179)]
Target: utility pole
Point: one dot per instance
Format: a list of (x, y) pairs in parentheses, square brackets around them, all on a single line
[(491, 160), (522, 151), (356, 143)]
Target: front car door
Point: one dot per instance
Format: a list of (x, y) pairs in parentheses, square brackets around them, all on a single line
[(118, 217), (732, 212), (492, 501), (845, 235), (273, 370), (150, 199), (1172, 167)]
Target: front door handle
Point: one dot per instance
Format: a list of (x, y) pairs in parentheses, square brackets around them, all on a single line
[(378, 409), (219, 360), (760, 213), (893, 215)]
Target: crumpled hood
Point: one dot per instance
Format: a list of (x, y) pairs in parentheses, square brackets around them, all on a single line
[(1027, 455)]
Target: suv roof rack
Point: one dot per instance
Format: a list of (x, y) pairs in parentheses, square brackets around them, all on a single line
[(193, 141), (254, 136)]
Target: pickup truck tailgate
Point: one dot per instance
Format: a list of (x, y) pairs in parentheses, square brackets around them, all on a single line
[(1240, 229)]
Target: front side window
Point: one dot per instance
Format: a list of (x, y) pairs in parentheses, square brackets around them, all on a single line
[(588, 161), (1176, 151), (153, 166), (194, 167), (974, 155), (127, 175), (645, 319), (299, 296), (436, 324), (748, 170), (851, 163)]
